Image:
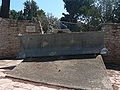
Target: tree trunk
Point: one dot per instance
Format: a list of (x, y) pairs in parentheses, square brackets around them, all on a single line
[(42, 32), (4, 13)]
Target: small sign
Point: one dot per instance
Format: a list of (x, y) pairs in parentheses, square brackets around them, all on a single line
[(30, 29)]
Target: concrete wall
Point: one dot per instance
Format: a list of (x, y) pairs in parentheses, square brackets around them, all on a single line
[(9, 40), (112, 43), (62, 44)]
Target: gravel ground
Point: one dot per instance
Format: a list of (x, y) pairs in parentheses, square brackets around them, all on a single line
[(113, 71), (15, 84)]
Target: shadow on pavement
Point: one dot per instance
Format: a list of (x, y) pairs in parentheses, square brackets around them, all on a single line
[(113, 66), (10, 67)]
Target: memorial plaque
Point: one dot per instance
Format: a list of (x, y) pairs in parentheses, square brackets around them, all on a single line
[(30, 29)]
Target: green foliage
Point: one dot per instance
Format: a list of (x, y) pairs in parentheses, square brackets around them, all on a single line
[(30, 10), (16, 15), (43, 19), (106, 8), (117, 13), (40, 13), (82, 10), (91, 12), (75, 8), (13, 14), (20, 15), (52, 22)]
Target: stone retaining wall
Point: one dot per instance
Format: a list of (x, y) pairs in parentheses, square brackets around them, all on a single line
[(112, 43), (9, 40)]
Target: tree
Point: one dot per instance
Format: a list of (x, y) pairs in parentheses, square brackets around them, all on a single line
[(107, 10), (30, 10), (4, 13), (13, 14), (73, 7), (42, 19), (91, 12), (117, 12), (78, 10), (20, 15), (52, 22), (40, 13)]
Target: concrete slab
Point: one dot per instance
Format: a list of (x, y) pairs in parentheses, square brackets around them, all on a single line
[(75, 73)]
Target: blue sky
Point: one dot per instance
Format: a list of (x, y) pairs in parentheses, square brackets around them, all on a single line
[(56, 7)]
